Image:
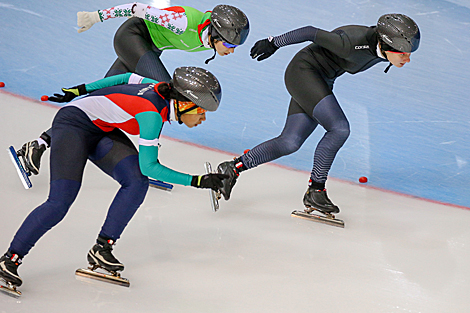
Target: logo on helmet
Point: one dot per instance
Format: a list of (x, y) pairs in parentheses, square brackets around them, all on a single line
[(387, 39), (189, 92)]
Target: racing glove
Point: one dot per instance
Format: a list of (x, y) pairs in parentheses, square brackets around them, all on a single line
[(212, 181), (87, 19), (69, 94), (263, 49)]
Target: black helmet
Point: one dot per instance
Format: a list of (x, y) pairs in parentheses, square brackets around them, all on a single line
[(399, 32), (229, 24), (199, 86)]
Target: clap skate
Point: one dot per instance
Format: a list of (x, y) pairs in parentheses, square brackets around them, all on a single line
[(318, 201), (101, 258), (215, 195), (21, 168), (323, 217), (9, 288), (109, 276)]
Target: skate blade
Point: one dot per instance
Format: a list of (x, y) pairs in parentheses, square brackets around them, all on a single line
[(113, 279), (24, 176), (9, 289), (160, 185), (328, 219), (214, 196)]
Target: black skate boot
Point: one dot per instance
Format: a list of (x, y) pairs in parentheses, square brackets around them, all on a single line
[(9, 269), (101, 256), (31, 153), (318, 199), (232, 169)]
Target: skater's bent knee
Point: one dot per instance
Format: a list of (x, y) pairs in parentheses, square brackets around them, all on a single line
[(289, 144)]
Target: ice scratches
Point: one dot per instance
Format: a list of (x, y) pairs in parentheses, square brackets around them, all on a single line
[(355, 2), (428, 13), (11, 6), (243, 130), (415, 122), (24, 70), (456, 47), (461, 162)]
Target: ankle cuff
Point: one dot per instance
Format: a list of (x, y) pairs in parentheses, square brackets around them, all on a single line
[(239, 165), (315, 185)]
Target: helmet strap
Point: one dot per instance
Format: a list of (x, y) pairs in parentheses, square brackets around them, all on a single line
[(211, 40), (178, 112), (384, 53)]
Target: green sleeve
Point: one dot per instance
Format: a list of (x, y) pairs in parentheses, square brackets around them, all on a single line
[(149, 81), (150, 124), (120, 79)]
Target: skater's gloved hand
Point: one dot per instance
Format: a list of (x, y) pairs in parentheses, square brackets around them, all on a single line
[(69, 94), (263, 49), (212, 181), (87, 19)]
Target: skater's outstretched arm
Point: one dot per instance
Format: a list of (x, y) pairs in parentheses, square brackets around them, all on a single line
[(161, 17), (83, 89), (150, 124), (333, 41)]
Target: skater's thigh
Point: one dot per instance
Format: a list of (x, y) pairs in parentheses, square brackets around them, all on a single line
[(111, 150), (306, 84), (117, 68), (73, 137), (132, 41)]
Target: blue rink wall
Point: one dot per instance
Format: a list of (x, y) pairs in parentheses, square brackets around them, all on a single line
[(410, 127)]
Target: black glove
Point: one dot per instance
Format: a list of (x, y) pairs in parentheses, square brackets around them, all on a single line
[(69, 94), (263, 49), (212, 181)]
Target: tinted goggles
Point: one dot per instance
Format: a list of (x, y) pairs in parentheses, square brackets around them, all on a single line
[(188, 107), (229, 45)]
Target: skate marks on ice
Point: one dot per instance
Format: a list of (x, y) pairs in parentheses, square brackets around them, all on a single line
[(318, 216), (9, 289), (20, 169), (215, 196), (108, 277)]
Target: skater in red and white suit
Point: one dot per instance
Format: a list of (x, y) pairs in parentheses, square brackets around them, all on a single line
[(92, 128)]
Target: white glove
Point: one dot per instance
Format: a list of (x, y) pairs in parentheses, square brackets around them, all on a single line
[(86, 19)]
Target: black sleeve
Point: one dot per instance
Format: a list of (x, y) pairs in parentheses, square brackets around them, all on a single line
[(335, 41)]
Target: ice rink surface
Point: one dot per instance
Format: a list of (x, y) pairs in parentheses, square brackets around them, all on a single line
[(396, 253)]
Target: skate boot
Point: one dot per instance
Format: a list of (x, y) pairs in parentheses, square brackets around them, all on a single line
[(318, 199), (101, 256), (9, 268), (230, 168), (31, 153), (9, 274)]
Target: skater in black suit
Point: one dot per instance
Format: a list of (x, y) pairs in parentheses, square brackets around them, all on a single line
[(309, 79)]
